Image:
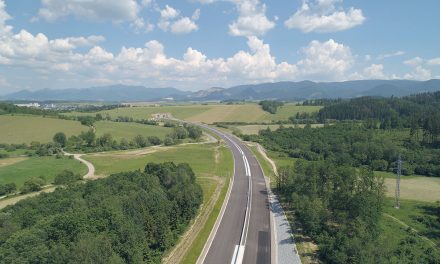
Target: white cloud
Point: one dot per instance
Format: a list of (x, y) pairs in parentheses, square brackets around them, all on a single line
[(326, 60), (375, 72), (4, 16), (169, 13), (183, 26), (419, 73), (416, 61), (170, 20), (252, 20), (390, 55), (323, 16), (116, 11), (435, 61)]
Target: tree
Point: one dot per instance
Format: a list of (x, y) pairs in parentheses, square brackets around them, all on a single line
[(154, 140), (60, 138), (105, 140), (32, 185), (88, 137), (140, 141), (168, 141), (66, 177)]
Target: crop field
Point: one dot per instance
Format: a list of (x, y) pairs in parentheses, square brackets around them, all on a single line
[(209, 113), (130, 130), (25, 129), (145, 112), (18, 170), (249, 113), (254, 129)]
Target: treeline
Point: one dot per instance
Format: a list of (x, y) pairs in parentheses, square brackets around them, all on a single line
[(415, 112), (131, 217), (6, 108), (271, 106), (351, 145)]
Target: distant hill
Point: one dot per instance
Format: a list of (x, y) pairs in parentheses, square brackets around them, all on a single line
[(104, 93), (310, 90), (278, 90)]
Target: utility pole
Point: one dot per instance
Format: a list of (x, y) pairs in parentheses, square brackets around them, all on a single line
[(399, 173)]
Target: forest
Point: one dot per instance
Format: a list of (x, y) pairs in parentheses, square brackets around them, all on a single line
[(331, 187), (131, 217)]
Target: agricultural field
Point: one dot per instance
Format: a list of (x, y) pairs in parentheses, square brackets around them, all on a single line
[(130, 130), (17, 129), (254, 129), (249, 113), (18, 170), (209, 113), (145, 112)]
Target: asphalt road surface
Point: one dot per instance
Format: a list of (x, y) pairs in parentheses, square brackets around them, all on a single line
[(244, 234)]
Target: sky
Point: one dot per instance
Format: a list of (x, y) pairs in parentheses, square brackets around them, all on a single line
[(197, 44)]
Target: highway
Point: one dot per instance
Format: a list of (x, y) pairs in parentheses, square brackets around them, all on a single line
[(243, 234)]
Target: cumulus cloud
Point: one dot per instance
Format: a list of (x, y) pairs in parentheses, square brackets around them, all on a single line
[(170, 20), (324, 16), (375, 72), (326, 60), (416, 61), (117, 11), (252, 20)]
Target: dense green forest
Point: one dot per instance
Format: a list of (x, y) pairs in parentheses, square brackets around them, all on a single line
[(6, 108), (131, 217)]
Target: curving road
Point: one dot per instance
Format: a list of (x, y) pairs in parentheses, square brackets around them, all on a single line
[(243, 233)]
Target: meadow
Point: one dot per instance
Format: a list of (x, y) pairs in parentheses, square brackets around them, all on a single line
[(130, 130), (18, 170), (17, 129)]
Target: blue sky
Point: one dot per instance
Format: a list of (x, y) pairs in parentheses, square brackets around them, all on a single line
[(196, 44)]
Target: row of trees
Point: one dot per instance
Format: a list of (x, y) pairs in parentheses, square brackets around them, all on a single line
[(415, 112), (131, 217)]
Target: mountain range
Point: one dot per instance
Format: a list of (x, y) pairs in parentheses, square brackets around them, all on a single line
[(277, 91)]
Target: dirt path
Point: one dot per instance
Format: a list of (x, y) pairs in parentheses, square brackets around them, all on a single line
[(412, 229), (16, 199), (91, 169)]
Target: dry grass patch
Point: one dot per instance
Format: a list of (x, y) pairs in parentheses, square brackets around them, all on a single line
[(419, 188), (10, 161)]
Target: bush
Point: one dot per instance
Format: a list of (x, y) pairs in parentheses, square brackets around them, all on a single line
[(154, 140), (7, 188), (32, 185), (3, 155), (379, 165), (66, 177), (169, 141)]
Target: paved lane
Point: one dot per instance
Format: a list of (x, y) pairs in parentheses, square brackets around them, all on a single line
[(244, 234)]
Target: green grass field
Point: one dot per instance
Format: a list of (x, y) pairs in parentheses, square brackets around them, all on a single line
[(209, 113), (48, 167), (415, 187), (421, 217), (25, 129), (130, 130)]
